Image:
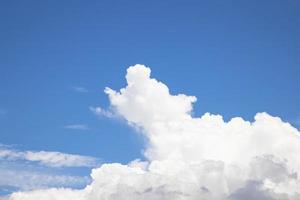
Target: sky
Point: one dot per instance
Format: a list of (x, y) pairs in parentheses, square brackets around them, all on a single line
[(56, 58)]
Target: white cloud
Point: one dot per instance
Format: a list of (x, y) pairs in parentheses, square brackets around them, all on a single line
[(48, 158), (77, 126), (80, 89), (102, 112), (51, 194), (191, 158), (28, 180)]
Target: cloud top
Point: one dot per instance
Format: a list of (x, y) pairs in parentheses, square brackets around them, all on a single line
[(191, 158)]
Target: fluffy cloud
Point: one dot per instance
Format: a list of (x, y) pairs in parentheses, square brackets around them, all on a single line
[(48, 158), (191, 158)]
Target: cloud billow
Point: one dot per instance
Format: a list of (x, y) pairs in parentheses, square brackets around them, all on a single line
[(191, 158)]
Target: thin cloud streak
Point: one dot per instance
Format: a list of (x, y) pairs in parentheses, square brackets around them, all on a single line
[(48, 158), (80, 89), (77, 127), (28, 180)]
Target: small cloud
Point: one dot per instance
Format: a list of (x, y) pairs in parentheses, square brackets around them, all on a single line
[(77, 127), (102, 112), (13, 179), (48, 158), (79, 89)]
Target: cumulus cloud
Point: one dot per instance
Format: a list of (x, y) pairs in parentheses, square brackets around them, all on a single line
[(191, 158), (48, 158)]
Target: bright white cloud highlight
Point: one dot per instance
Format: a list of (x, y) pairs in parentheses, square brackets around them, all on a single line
[(191, 158), (49, 158)]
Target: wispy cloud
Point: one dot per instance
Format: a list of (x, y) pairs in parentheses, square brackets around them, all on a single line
[(4, 197), (29, 170), (80, 89), (102, 112), (28, 179), (77, 126), (48, 158)]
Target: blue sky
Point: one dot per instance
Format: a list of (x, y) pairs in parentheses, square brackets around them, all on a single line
[(56, 58)]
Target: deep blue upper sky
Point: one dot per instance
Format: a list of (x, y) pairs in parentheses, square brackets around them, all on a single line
[(237, 57)]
